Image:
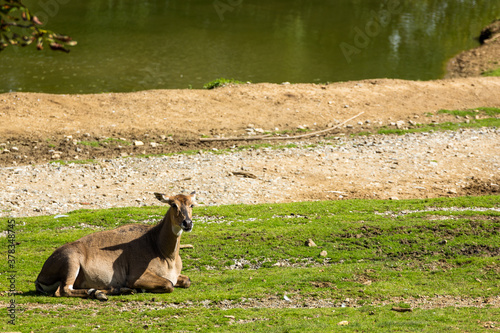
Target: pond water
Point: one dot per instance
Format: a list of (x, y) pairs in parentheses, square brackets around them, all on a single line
[(130, 45)]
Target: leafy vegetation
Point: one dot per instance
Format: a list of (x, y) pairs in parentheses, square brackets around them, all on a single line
[(246, 259), (220, 83), (19, 27)]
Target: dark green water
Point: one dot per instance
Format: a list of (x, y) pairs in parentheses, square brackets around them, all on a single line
[(130, 45)]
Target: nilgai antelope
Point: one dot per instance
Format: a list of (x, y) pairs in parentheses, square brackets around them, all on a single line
[(121, 260)]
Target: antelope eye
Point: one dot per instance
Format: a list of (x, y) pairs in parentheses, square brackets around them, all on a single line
[(191, 206)]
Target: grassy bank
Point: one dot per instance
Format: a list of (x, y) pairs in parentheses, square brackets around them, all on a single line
[(471, 118), (252, 270)]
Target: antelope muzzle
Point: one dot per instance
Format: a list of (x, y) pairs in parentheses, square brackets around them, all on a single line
[(187, 225)]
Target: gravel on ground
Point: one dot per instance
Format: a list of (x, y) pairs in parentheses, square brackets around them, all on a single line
[(419, 165)]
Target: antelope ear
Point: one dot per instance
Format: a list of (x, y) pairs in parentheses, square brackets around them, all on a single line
[(193, 196), (162, 198)]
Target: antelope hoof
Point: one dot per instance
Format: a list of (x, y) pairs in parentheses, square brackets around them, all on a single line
[(97, 294), (100, 296)]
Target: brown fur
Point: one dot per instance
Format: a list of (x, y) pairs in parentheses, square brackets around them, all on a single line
[(121, 260)]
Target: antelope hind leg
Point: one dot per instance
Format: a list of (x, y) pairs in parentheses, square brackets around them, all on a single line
[(60, 273)]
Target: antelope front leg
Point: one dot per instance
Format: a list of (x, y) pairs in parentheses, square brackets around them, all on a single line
[(183, 281), (152, 283)]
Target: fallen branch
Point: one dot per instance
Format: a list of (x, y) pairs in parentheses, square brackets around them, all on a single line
[(267, 137)]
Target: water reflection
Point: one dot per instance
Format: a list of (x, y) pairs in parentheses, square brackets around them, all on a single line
[(127, 45)]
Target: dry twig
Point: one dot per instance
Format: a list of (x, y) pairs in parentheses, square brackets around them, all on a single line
[(267, 137)]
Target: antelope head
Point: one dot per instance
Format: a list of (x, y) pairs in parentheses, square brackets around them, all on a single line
[(181, 211)]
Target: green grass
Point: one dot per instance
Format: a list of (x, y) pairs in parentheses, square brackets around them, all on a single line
[(222, 150), (220, 83), (362, 133), (493, 72), (66, 162), (396, 245), (90, 143), (483, 111), (492, 120), (105, 142), (118, 141)]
